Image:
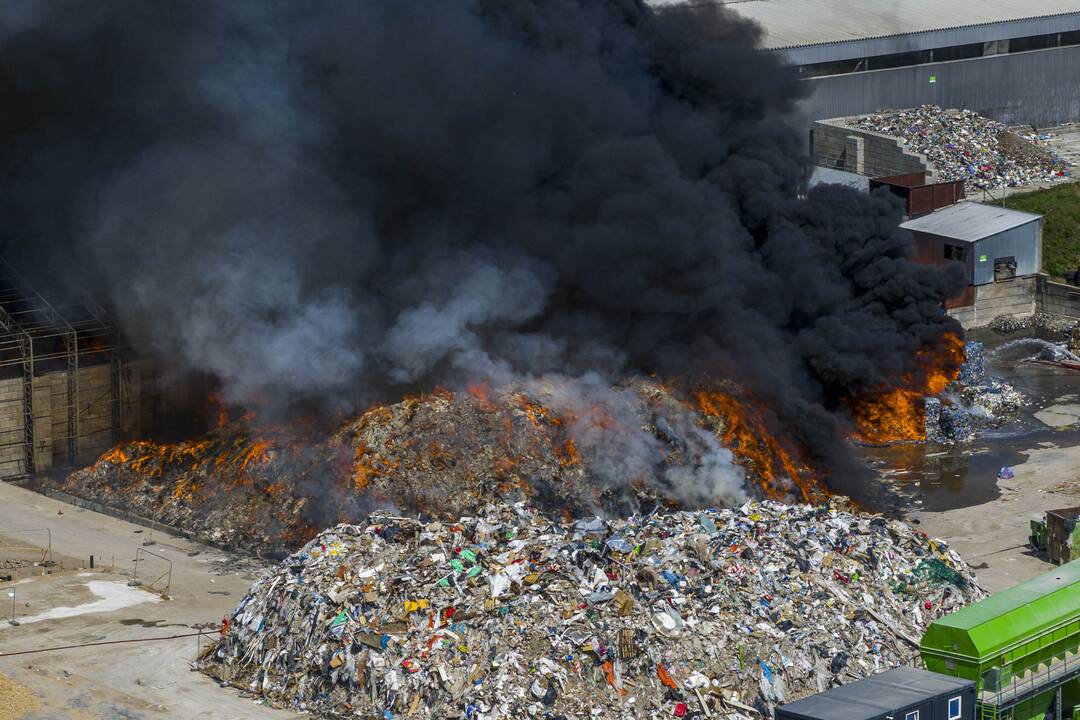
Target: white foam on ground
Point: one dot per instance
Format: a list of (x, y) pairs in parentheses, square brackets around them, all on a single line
[(114, 596)]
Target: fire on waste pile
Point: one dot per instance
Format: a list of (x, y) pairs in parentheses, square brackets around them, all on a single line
[(974, 401), (954, 400), (509, 614), (449, 454)]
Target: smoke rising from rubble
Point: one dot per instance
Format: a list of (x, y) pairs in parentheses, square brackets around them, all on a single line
[(346, 200)]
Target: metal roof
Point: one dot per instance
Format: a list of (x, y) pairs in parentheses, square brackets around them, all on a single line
[(1019, 614), (969, 221), (791, 23), (876, 696)]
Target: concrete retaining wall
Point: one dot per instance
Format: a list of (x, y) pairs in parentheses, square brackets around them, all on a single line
[(1058, 298), (839, 147), (1019, 298), (111, 511)]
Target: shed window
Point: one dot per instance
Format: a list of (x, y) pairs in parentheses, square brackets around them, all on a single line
[(954, 708), (913, 715), (955, 252)]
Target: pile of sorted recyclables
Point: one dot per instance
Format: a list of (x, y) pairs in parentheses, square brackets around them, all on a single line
[(717, 613), (976, 401), (963, 145)]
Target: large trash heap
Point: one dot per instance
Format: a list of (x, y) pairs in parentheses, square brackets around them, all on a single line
[(716, 613), (963, 145)]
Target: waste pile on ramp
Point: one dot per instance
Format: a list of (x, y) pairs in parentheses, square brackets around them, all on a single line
[(963, 145), (725, 613)]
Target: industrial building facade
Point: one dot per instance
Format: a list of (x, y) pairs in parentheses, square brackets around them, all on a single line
[(67, 390), (1014, 61)]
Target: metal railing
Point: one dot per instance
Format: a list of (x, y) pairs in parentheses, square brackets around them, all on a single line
[(46, 551), (154, 583), (1035, 681)]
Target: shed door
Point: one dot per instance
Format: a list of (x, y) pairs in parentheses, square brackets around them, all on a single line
[(1004, 268)]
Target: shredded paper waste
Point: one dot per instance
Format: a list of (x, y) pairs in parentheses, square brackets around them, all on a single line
[(716, 613), (963, 145)]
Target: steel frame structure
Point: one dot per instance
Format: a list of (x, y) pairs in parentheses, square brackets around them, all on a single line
[(51, 331)]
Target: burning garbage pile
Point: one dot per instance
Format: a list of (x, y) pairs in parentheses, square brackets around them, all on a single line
[(899, 414), (974, 401), (949, 402), (508, 614), (448, 454), (963, 145)]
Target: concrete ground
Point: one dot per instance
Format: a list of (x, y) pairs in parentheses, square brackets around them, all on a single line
[(992, 536), (130, 680)]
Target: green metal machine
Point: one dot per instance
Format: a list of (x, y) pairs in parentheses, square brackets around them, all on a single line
[(1021, 646)]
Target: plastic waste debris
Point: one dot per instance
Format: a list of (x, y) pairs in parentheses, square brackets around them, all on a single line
[(963, 145), (720, 613), (975, 401)]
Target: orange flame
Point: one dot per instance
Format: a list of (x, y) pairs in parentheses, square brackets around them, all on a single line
[(898, 414), (757, 449), (481, 393), (220, 409)]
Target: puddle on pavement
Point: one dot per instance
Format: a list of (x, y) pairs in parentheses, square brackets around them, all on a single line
[(936, 479)]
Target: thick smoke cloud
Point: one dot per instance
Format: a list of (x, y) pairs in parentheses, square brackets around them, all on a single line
[(342, 200)]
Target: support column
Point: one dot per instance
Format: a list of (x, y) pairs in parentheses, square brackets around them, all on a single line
[(71, 347), (157, 402), (26, 347), (116, 387)]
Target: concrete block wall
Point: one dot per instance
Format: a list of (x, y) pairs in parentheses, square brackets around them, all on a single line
[(837, 146), (12, 454), (43, 444), (1058, 298), (1015, 298), (95, 409), (1019, 298)]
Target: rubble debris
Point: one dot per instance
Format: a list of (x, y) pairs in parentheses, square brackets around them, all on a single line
[(963, 145), (1058, 324), (448, 454), (716, 613), (975, 401)]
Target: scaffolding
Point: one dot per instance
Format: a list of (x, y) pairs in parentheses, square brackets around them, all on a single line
[(50, 332)]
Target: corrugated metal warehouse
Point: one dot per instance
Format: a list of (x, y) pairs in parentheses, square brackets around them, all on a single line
[(993, 243), (1017, 61)]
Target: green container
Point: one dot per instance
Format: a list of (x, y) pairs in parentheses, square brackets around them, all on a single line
[(1037, 539), (1008, 633)]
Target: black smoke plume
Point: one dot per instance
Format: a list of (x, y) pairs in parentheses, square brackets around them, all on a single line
[(339, 201)]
